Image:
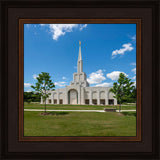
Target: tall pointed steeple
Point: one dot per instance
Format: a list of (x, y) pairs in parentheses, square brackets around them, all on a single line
[(80, 55), (80, 78), (80, 62)]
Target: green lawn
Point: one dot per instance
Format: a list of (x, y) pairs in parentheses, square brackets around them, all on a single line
[(75, 107), (80, 124)]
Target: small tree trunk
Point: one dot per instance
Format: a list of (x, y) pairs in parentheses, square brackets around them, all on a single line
[(45, 101), (45, 105), (120, 106)]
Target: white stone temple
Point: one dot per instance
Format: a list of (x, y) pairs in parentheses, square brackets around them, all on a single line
[(79, 92)]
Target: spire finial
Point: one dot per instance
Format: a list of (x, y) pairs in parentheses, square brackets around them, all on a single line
[(80, 43)]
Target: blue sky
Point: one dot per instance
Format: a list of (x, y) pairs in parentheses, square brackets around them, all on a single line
[(107, 50)]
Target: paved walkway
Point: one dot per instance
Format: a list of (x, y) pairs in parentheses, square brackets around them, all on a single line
[(126, 110), (75, 110)]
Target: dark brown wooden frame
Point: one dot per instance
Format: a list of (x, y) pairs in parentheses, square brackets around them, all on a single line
[(12, 11), (79, 21)]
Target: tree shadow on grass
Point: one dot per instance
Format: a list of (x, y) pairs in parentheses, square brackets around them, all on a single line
[(55, 113), (130, 113)]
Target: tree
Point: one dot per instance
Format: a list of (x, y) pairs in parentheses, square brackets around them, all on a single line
[(31, 97), (122, 89), (43, 86), (28, 97), (134, 93)]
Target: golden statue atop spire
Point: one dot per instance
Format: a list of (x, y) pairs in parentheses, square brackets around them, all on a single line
[(79, 42)]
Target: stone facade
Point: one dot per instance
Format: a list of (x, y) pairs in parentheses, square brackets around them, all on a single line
[(79, 92)]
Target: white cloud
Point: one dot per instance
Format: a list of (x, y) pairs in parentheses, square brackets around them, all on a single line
[(29, 90), (115, 75), (121, 51), (27, 84), (96, 77), (63, 77), (133, 38), (58, 30), (27, 25), (60, 84), (105, 84), (134, 77), (61, 29), (35, 76), (134, 83), (43, 24), (82, 26), (133, 64), (134, 70)]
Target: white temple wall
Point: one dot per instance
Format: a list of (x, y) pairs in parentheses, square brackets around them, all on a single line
[(102, 94), (85, 95), (94, 95)]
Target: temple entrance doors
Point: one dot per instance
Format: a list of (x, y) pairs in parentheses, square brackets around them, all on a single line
[(72, 97)]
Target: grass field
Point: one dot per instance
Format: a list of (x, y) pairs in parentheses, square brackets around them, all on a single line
[(75, 107), (78, 123)]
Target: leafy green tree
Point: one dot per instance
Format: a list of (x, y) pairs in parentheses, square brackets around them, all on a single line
[(31, 97), (134, 93), (43, 86), (28, 97), (122, 89)]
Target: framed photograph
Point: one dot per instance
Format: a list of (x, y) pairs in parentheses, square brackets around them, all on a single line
[(84, 98), (80, 78)]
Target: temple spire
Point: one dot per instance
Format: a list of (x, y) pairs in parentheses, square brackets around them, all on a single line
[(80, 63), (80, 55)]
